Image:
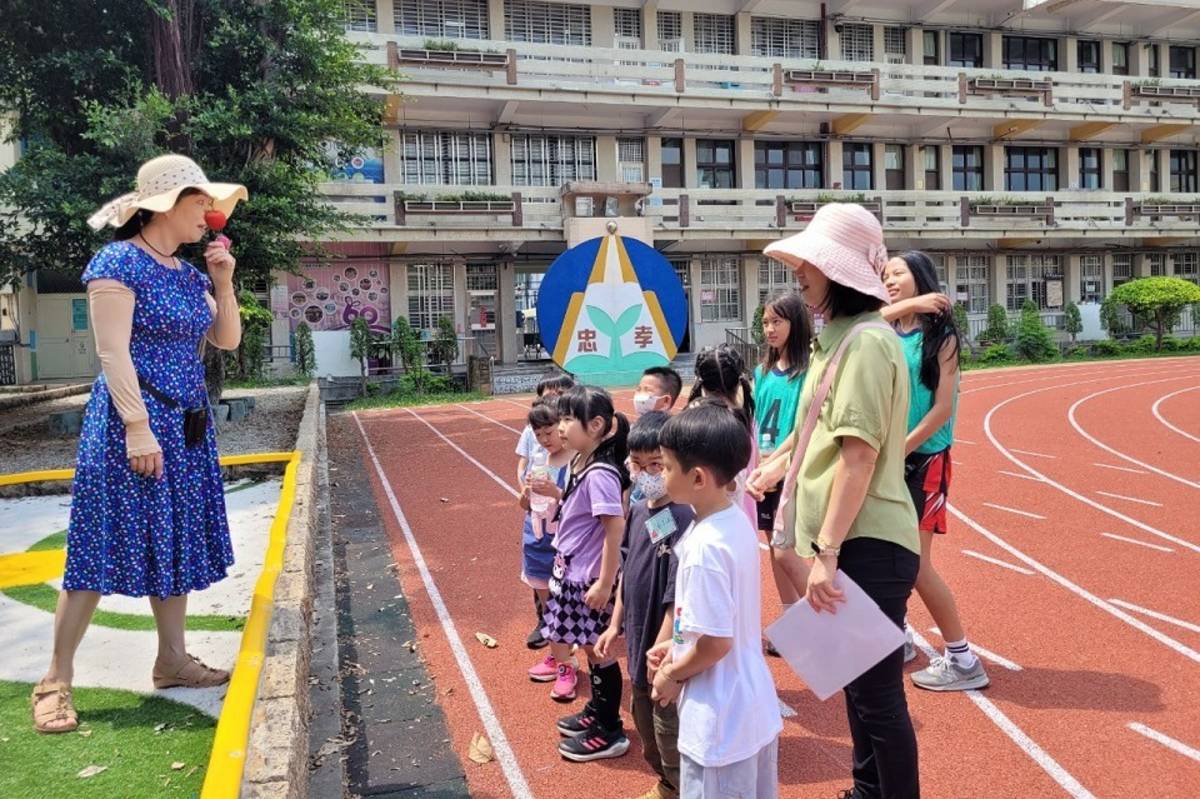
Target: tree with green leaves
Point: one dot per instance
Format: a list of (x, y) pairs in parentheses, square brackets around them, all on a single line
[(1157, 299), (1034, 342), (444, 347), (1074, 320), (362, 347), (1111, 318), (406, 344), (997, 330), (306, 356)]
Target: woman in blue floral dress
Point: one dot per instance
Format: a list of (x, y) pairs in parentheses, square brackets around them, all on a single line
[(148, 506)]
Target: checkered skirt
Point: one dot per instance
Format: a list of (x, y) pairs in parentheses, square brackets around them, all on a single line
[(567, 619)]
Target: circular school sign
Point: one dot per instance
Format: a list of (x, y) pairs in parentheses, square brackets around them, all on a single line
[(611, 308)]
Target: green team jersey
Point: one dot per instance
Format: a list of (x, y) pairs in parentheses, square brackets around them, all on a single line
[(776, 397), (920, 401)]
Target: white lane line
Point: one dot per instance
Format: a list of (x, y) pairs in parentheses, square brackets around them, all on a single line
[(972, 553), (523, 406), (1018, 736), (491, 723), (1014, 510), (488, 418), (986, 654), (987, 429), (1165, 740), (1079, 429), (1035, 454), (964, 441), (499, 480), (1130, 499), (1021, 476), (1116, 537), (1121, 468), (1154, 614), (1107, 607), (1158, 415), (956, 463)]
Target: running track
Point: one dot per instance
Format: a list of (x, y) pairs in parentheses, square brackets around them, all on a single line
[(1074, 551)]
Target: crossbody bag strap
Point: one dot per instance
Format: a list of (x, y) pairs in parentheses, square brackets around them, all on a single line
[(805, 433)]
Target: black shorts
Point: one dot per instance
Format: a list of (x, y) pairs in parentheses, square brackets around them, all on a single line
[(766, 511)]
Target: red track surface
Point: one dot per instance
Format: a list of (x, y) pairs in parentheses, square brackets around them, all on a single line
[(1088, 668)]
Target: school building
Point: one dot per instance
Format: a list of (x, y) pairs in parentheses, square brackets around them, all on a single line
[(1038, 150)]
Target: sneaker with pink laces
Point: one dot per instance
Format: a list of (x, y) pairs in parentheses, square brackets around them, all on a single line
[(564, 684), (546, 671)]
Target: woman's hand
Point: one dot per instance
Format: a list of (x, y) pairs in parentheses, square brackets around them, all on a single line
[(766, 477), (220, 263), (605, 642), (597, 596), (147, 465), (822, 594)]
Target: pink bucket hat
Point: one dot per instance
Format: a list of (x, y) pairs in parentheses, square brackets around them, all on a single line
[(844, 241)]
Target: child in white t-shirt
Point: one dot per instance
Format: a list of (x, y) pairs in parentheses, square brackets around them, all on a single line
[(729, 720)]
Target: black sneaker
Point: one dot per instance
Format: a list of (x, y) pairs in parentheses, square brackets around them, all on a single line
[(596, 744), (769, 648), (576, 723), (536, 640)]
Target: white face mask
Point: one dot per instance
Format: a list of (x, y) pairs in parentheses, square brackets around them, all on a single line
[(644, 402), (652, 486)]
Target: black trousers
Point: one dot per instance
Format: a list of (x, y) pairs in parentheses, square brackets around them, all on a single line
[(885, 746)]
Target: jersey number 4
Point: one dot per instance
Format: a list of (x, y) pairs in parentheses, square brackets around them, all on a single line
[(770, 422)]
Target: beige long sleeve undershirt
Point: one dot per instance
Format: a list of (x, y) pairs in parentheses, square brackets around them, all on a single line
[(111, 304)]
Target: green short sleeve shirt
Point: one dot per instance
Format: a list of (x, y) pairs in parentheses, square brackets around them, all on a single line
[(869, 400)]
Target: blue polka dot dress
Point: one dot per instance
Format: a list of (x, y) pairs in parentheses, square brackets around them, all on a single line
[(136, 535)]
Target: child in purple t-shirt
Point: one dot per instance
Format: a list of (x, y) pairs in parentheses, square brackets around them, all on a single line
[(588, 554)]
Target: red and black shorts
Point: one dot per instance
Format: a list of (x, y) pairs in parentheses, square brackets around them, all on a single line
[(928, 479)]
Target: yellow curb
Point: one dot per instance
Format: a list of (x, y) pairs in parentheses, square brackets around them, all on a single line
[(31, 568)]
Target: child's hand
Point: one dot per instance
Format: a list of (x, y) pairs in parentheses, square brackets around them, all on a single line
[(605, 642), (766, 477), (545, 488), (597, 596), (664, 691), (932, 303), (658, 656)]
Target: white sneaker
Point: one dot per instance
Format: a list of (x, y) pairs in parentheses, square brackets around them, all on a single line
[(910, 652), (944, 674)]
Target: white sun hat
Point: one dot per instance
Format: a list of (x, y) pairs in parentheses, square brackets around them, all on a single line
[(159, 183)]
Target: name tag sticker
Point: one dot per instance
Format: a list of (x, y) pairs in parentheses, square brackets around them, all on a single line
[(661, 525)]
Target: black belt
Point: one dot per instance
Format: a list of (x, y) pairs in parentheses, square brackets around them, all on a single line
[(195, 420), (153, 391)]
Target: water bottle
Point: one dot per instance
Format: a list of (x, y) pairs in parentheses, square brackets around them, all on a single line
[(539, 470), (766, 447)]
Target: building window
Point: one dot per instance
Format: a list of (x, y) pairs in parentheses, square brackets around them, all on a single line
[(930, 39), (1120, 51), (788, 165), (1120, 170), (721, 288), (1187, 266), (360, 15), (463, 159), (631, 160), (672, 163), (541, 22), (448, 19), (1158, 264), (715, 163), (1029, 278), (714, 33), (1089, 168), (1183, 62), (628, 25), (858, 167), (895, 45), (773, 277), (1152, 156), (785, 37), (933, 171), (539, 160), (1122, 269), (430, 295), (858, 42), (1030, 53), (1155, 60), (683, 271), (1183, 171), (1089, 56), (894, 172), (973, 281), (1091, 278), (1030, 169), (670, 31), (967, 163), (966, 50)]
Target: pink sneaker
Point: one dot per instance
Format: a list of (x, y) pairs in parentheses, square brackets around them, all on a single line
[(564, 684), (546, 671)]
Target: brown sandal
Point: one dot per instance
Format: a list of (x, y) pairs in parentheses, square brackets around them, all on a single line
[(192, 674), (50, 720)]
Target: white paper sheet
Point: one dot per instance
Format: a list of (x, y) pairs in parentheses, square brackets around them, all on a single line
[(829, 650)]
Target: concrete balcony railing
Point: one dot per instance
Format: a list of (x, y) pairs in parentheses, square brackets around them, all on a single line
[(388, 212), (522, 71)]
